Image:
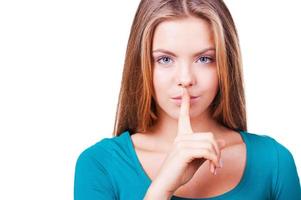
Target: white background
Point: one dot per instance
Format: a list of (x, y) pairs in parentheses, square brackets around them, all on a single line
[(60, 71)]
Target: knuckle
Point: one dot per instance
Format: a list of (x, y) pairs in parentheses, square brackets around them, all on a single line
[(198, 135), (211, 146), (216, 159), (179, 145), (205, 151), (176, 139), (210, 135), (179, 138), (201, 136), (182, 153)]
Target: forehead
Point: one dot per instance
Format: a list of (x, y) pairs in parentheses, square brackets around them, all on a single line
[(187, 34)]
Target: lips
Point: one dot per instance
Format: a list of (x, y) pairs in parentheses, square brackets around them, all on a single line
[(179, 97), (193, 100)]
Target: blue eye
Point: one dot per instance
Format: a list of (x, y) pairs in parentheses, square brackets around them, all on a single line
[(164, 60), (205, 59), (168, 60)]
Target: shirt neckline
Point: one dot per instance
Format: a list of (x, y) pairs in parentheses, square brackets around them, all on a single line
[(227, 194)]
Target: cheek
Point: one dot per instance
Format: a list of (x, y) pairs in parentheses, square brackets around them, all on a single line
[(209, 81), (160, 82)]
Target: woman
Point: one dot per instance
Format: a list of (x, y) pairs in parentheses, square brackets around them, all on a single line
[(180, 130)]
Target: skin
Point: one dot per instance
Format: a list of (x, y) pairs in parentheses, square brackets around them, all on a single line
[(186, 136), (196, 72)]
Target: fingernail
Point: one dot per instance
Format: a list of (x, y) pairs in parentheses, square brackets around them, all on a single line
[(215, 171)]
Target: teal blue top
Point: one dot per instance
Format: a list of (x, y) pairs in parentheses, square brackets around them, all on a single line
[(110, 169)]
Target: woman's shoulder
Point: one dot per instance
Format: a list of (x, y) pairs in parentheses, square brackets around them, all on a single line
[(268, 151), (262, 141), (95, 170), (104, 149), (279, 160)]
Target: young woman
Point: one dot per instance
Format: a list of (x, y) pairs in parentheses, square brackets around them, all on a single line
[(180, 130)]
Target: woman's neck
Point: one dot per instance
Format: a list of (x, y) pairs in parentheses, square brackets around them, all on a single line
[(165, 129)]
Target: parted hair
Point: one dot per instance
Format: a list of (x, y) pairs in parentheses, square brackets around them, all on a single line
[(136, 108)]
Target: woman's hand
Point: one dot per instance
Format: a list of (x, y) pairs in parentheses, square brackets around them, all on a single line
[(189, 151)]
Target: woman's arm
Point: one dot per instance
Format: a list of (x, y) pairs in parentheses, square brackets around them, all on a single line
[(155, 192)]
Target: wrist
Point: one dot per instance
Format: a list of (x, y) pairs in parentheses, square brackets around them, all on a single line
[(155, 193)]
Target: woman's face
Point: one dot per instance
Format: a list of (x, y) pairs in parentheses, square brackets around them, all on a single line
[(184, 55)]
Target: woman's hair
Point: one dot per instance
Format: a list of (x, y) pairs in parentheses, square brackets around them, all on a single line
[(136, 110)]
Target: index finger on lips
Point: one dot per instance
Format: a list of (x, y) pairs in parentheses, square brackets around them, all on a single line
[(184, 125)]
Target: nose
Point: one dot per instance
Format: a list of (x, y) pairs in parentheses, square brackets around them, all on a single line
[(185, 76)]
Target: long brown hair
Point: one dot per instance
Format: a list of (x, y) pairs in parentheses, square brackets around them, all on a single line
[(136, 110)]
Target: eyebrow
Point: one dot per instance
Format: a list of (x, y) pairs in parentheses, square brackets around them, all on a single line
[(171, 53)]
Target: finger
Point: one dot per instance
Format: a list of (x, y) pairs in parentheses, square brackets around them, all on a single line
[(205, 144), (184, 125), (206, 138), (212, 167), (219, 145), (192, 154), (197, 142)]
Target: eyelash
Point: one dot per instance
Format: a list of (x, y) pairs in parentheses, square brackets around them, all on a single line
[(207, 57)]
